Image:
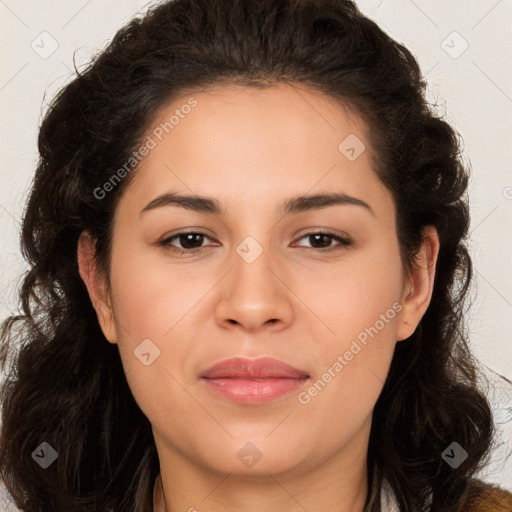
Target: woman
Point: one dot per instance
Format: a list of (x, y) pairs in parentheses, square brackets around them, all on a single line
[(188, 342)]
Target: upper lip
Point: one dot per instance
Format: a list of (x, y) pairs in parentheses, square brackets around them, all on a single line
[(264, 367)]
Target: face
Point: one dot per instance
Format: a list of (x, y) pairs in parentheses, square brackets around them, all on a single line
[(249, 273)]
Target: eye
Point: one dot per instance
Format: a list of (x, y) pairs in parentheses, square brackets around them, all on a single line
[(322, 238), (192, 241)]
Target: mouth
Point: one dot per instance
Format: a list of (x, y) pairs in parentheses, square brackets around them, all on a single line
[(253, 381)]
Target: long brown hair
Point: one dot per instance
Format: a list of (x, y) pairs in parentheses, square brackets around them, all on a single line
[(66, 384)]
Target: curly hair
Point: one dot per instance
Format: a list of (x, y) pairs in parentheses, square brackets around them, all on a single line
[(65, 383)]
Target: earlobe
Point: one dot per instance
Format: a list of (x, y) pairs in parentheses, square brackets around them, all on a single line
[(420, 285), (96, 286)]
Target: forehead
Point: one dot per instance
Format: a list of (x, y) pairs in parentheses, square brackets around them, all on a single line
[(281, 113), (285, 121), (249, 143)]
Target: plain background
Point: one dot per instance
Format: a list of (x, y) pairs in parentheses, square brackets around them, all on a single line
[(472, 88)]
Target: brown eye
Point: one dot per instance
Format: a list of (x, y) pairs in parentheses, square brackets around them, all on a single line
[(188, 242), (321, 241)]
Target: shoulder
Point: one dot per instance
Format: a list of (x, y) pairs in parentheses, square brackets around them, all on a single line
[(482, 497)]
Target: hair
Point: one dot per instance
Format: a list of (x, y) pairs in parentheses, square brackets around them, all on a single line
[(65, 383)]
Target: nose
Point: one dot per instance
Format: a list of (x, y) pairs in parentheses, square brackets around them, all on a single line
[(255, 295)]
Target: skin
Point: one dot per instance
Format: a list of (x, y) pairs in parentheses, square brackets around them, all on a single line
[(251, 150)]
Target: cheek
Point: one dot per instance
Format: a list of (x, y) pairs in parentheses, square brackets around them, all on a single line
[(354, 362), (359, 295), (148, 306), (152, 299), (359, 307)]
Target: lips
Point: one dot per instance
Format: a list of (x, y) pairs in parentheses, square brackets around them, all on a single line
[(263, 368), (253, 381)]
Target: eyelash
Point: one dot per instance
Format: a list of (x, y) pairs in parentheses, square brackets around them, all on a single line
[(343, 242)]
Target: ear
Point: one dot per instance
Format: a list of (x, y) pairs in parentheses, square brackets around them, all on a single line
[(95, 282), (419, 285)]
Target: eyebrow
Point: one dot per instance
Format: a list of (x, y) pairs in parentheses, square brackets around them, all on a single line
[(292, 205)]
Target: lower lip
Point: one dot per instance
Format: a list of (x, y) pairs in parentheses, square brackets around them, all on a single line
[(253, 391)]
